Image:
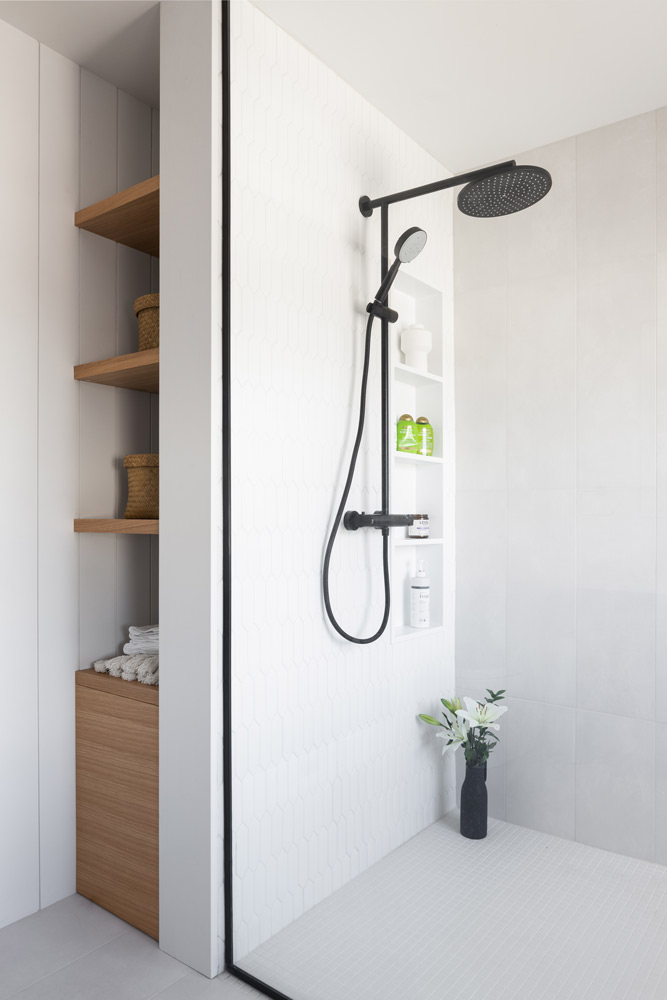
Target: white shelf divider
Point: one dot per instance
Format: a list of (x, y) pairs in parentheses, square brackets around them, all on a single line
[(406, 456), (403, 632), (418, 542), (413, 376)]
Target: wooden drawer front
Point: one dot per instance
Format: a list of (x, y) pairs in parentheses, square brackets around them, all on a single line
[(117, 805)]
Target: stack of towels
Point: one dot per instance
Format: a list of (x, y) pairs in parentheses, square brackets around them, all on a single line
[(143, 639), (139, 661)]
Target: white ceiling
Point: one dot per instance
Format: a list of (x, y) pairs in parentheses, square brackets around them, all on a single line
[(480, 80), (118, 40)]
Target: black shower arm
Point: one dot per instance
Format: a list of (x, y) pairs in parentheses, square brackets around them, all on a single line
[(366, 206)]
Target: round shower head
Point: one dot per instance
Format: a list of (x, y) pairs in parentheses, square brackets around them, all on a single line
[(410, 244), (504, 193)]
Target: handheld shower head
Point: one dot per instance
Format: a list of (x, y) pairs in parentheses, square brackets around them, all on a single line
[(504, 193), (408, 246)]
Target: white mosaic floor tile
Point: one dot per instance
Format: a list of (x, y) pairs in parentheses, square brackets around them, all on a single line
[(518, 916)]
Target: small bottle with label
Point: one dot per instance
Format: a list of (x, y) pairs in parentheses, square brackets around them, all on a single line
[(420, 598), (419, 527), (424, 436), (406, 434)]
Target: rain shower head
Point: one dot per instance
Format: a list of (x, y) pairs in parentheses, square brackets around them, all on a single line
[(500, 189), (504, 193), (410, 245)]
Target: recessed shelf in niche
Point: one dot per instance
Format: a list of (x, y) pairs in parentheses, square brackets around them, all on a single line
[(406, 456), (140, 370), (413, 376), (418, 542), (403, 632), (417, 481)]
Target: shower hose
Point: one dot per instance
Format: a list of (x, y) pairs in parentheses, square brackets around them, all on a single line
[(341, 508)]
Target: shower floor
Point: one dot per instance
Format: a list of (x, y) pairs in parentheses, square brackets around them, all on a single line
[(518, 916)]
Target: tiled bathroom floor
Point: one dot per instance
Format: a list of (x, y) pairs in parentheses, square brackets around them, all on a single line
[(518, 916), (74, 950)]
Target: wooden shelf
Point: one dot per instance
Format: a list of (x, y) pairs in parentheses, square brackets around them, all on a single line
[(128, 371), (131, 217), (117, 525)]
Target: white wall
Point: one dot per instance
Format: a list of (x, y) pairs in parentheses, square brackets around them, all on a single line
[(561, 336), (19, 174), (190, 472), (331, 768), (50, 431)]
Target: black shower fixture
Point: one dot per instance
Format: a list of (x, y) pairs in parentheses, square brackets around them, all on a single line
[(502, 189)]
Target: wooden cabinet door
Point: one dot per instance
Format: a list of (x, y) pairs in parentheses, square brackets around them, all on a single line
[(117, 803)]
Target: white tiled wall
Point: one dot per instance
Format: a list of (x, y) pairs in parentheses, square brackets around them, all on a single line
[(561, 386), (331, 768)]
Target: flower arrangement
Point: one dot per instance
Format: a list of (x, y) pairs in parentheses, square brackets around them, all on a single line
[(470, 727)]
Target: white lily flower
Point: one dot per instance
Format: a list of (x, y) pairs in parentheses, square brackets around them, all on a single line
[(454, 737), (481, 715)]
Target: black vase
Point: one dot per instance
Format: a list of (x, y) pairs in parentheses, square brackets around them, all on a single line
[(474, 803)]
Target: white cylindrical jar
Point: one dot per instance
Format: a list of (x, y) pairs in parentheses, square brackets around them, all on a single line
[(420, 598), (416, 343)]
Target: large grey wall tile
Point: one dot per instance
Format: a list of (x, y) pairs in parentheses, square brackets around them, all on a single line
[(541, 599), (616, 373), (540, 781), (615, 783), (616, 168), (541, 359), (616, 565), (541, 242), (481, 590)]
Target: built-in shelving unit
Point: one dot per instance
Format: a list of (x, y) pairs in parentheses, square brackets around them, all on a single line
[(131, 217), (140, 370), (418, 481), (117, 525)]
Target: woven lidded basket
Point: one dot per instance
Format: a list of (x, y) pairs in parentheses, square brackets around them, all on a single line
[(143, 486), (147, 311)]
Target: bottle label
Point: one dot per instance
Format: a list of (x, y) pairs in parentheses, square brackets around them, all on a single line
[(420, 600), (419, 528), (406, 439)]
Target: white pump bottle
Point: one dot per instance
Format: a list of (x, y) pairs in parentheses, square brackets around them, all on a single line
[(420, 598)]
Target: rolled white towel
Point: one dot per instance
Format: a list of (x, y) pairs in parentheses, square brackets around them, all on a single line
[(153, 678), (113, 666), (130, 668), (146, 669)]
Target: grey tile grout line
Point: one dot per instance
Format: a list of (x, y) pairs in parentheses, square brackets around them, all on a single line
[(576, 479), (66, 965), (37, 483), (151, 996), (655, 472)]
